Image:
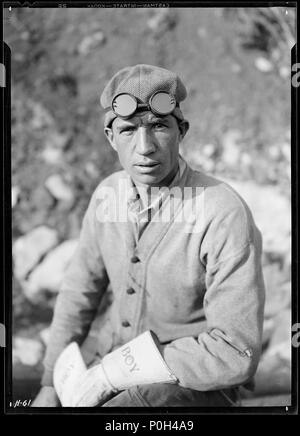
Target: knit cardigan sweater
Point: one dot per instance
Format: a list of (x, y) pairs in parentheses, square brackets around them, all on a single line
[(195, 281)]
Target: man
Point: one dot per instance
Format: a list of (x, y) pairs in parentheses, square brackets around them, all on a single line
[(195, 283)]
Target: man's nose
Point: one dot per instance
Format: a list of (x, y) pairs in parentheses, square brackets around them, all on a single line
[(145, 143)]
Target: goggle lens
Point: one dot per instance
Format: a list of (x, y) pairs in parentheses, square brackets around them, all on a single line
[(124, 105), (162, 103)]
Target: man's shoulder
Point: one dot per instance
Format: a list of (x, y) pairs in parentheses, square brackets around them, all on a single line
[(218, 194), (223, 204)]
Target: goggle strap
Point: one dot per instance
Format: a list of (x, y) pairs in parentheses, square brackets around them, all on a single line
[(139, 107)]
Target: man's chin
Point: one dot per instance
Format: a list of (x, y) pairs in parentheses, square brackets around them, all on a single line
[(147, 179)]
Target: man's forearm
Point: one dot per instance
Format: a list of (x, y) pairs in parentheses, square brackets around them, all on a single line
[(227, 354), (84, 284), (71, 322)]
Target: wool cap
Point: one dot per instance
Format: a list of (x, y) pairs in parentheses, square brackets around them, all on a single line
[(142, 81)]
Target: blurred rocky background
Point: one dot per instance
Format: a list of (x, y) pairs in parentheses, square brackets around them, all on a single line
[(236, 64)]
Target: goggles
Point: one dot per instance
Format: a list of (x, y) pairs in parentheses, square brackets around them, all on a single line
[(161, 103)]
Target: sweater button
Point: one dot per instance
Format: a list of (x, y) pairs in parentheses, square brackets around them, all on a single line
[(126, 324), (134, 259), (130, 291)]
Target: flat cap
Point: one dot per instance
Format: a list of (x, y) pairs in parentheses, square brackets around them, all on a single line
[(142, 81)]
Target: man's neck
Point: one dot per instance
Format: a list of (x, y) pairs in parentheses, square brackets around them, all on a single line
[(170, 177)]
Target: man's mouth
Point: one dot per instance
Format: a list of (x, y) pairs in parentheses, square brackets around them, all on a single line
[(147, 164)]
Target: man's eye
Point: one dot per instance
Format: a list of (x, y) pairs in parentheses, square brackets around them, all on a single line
[(127, 130), (159, 126)]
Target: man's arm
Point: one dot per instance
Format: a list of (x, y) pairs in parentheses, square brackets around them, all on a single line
[(227, 353), (83, 286)]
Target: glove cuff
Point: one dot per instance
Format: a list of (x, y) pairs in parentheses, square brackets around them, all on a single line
[(137, 362)]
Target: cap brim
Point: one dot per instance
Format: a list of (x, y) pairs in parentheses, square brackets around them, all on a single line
[(110, 116)]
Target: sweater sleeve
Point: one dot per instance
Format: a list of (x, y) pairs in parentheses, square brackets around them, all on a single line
[(84, 284), (227, 353)]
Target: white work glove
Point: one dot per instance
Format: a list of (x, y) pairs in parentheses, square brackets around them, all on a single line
[(92, 388), (137, 362)]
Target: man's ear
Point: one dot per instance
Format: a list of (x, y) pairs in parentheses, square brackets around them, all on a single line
[(110, 136), (183, 128)]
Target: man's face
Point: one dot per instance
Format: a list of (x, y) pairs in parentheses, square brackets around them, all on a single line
[(147, 146)]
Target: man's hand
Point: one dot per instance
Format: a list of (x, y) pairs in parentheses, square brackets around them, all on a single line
[(93, 388), (139, 361), (46, 398)]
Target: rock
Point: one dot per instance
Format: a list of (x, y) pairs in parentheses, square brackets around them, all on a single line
[(41, 202), (207, 160), (45, 335), (27, 351), (19, 57), (284, 72), (274, 152), (246, 159), (276, 54), (278, 294), (92, 170), (268, 329), (163, 19), (200, 158), (59, 189), (272, 214), (28, 249), (236, 68), (263, 65), (208, 165), (41, 118), (91, 42), (273, 376), (52, 155), (15, 193), (26, 381), (208, 150), (35, 211), (231, 148), (48, 275), (57, 140), (280, 344), (274, 370), (286, 151), (25, 35)]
